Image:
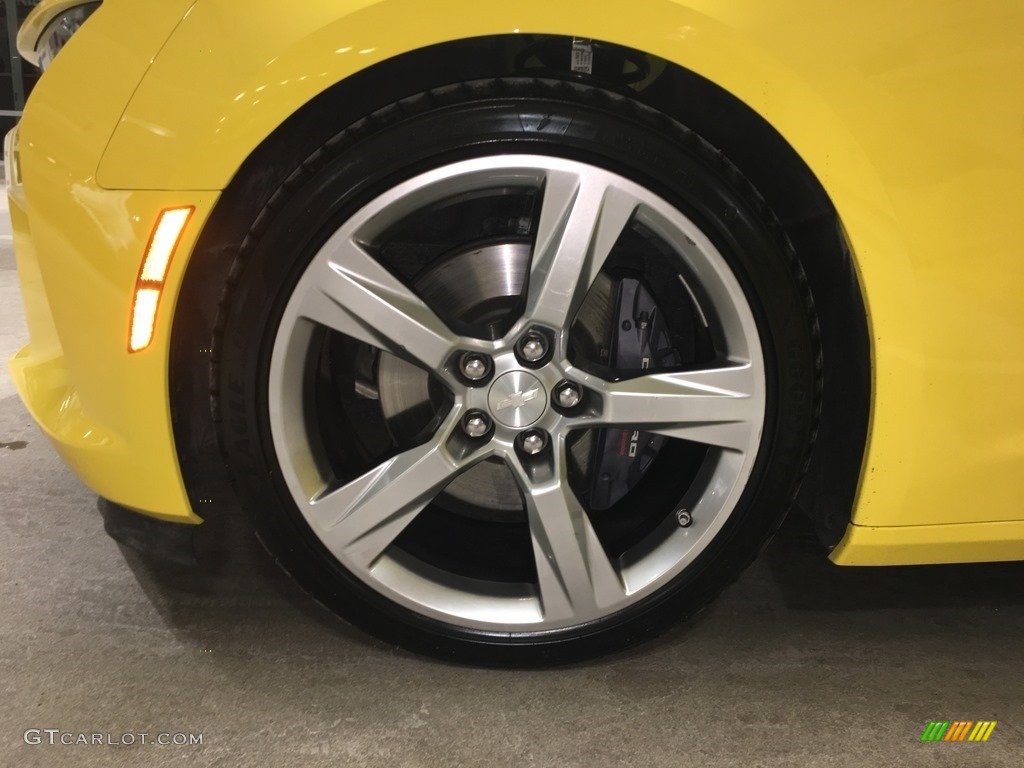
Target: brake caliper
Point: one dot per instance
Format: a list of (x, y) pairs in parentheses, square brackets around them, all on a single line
[(639, 341)]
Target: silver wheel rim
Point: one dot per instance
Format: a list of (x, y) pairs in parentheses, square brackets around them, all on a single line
[(584, 210)]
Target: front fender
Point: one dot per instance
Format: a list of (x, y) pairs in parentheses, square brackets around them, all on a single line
[(862, 92)]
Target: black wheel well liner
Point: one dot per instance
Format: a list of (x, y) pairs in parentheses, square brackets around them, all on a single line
[(785, 182)]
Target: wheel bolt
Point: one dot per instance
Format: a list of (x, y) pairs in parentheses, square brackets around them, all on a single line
[(474, 366), (476, 424), (533, 347), (568, 395), (533, 442)]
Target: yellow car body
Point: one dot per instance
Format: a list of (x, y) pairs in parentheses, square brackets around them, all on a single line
[(910, 116)]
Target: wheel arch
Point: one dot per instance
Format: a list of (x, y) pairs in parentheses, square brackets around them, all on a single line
[(776, 169)]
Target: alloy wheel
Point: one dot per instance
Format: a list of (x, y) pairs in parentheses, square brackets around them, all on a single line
[(506, 401)]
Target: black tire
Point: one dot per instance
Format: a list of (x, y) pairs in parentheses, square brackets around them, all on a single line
[(542, 118)]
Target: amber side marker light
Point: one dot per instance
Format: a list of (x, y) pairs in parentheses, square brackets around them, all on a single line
[(162, 245)]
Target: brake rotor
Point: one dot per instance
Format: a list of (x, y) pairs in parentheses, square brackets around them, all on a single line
[(479, 289)]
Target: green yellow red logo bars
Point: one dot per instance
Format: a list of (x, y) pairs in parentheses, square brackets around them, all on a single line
[(958, 730)]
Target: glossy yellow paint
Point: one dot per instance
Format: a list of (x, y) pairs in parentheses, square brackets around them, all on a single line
[(909, 114), (105, 410), (78, 250), (924, 544)]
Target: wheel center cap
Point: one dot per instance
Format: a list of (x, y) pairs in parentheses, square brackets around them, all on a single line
[(517, 399)]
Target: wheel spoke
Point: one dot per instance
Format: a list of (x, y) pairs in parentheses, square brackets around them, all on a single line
[(582, 213), (352, 293), (581, 218), (574, 573), (361, 519), (716, 406)]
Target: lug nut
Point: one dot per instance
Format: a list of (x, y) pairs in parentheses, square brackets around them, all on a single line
[(474, 366), (568, 395), (533, 442), (533, 347), (476, 424)]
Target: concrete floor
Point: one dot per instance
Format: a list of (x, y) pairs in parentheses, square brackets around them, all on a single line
[(800, 663)]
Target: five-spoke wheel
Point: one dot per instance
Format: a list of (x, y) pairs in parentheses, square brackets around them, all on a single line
[(517, 380)]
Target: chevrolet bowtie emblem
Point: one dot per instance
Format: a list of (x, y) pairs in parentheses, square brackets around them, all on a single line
[(519, 399)]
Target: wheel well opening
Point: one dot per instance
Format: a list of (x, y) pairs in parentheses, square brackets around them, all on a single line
[(761, 154)]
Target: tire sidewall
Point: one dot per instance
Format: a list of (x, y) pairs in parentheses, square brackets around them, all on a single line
[(583, 124)]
